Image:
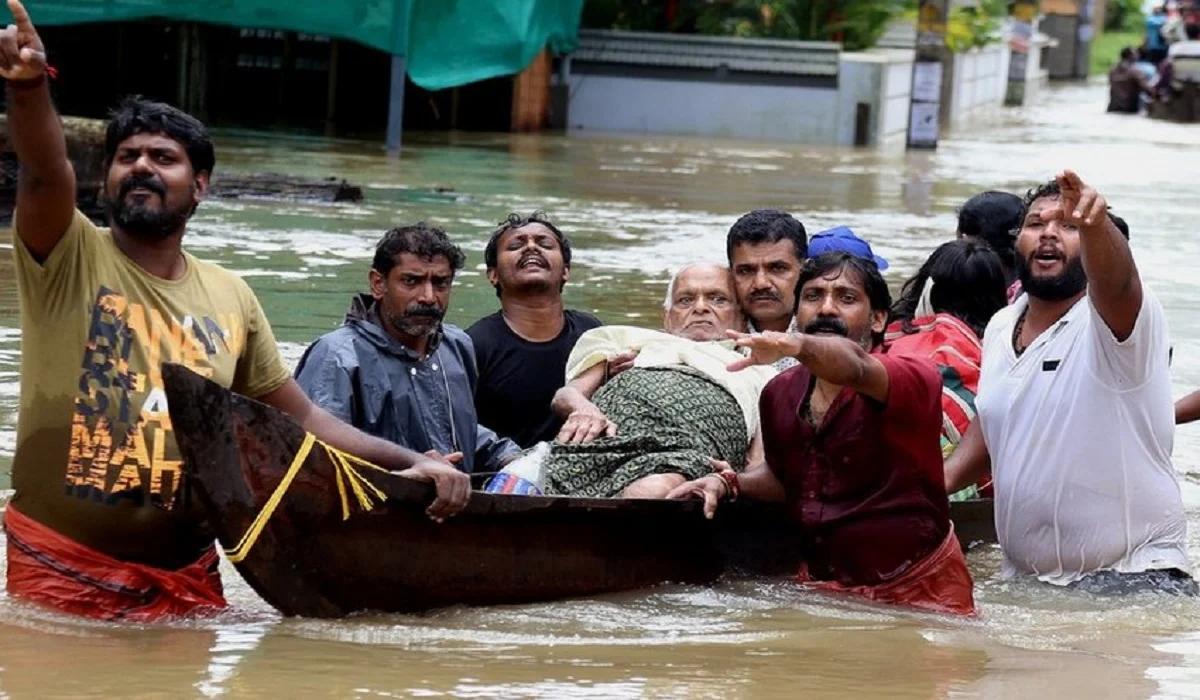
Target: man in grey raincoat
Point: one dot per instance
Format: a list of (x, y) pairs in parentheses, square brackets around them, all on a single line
[(394, 370)]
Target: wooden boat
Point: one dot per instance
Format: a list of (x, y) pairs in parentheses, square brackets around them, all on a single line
[(310, 560)]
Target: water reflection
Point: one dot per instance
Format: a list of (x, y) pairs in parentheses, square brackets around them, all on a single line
[(636, 208)]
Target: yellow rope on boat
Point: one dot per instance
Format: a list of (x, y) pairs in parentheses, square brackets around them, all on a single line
[(345, 473)]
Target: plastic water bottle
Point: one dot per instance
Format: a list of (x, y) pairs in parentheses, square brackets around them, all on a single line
[(522, 476)]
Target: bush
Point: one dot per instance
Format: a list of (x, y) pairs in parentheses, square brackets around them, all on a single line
[(970, 27), (858, 24), (1123, 14)]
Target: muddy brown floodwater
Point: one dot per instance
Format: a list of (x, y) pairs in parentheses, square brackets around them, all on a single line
[(636, 208)]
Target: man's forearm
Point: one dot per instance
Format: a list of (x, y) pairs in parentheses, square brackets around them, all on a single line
[(969, 462), (576, 395), (568, 400), (36, 133), (1107, 260), (349, 439), (758, 483), (839, 361), (1187, 409)]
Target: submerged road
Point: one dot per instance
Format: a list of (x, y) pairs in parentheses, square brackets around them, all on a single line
[(637, 208)]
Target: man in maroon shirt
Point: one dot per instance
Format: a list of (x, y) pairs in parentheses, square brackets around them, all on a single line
[(851, 440)]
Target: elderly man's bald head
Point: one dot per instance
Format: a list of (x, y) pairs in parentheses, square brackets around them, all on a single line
[(701, 304)]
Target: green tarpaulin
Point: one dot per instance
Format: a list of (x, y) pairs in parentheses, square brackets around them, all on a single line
[(452, 42), (447, 42)]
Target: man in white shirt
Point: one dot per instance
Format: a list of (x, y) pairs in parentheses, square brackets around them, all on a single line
[(1075, 410), (1185, 58)]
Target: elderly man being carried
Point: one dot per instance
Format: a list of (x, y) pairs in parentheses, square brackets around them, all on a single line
[(654, 426), (850, 443)]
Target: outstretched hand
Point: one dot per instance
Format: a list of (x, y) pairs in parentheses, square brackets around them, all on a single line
[(1080, 205), (766, 348), (22, 55)]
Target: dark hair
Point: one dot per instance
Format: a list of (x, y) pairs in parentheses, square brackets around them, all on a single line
[(1120, 223), (993, 217), (420, 239), (137, 115), (491, 252), (767, 226), (1051, 189), (1128, 54), (827, 264), (1046, 189), (968, 283), (516, 221)]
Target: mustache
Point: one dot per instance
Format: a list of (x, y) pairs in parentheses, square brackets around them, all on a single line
[(760, 294), (141, 180), (831, 325), (1039, 251), (431, 311)]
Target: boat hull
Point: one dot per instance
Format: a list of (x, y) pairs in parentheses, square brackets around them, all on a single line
[(500, 549)]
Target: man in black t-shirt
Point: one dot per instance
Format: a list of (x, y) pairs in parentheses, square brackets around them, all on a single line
[(521, 351)]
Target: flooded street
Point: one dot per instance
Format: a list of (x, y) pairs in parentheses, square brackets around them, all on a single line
[(636, 208)]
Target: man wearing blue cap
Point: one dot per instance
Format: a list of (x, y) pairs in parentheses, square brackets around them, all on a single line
[(842, 239)]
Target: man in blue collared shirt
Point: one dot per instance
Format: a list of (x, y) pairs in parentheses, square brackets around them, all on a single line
[(394, 369)]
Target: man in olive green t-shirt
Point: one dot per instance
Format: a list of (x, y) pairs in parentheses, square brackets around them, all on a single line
[(99, 517)]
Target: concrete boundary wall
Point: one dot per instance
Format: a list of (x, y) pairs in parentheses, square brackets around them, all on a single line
[(800, 92), (881, 79), (978, 80)]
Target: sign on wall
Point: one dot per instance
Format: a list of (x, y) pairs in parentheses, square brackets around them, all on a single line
[(1020, 43), (924, 113)]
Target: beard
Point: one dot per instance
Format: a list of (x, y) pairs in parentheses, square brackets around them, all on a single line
[(1066, 284), (418, 320), (140, 219)]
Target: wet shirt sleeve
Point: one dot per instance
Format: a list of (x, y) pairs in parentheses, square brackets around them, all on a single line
[(260, 369), (491, 450), (914, 389), (64, 276), (1128, 364), (326, 381)]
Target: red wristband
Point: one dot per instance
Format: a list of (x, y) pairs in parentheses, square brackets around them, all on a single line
[(732, 487), (31, 83)]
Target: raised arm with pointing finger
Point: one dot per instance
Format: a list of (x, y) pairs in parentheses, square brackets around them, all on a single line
[(1113, 283), (158, 161), (46, 180)]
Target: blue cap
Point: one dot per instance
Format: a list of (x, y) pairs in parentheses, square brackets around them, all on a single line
[(840, 239)]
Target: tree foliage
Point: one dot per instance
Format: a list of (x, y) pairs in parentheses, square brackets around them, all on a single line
[(970, 27), (858, 24)]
